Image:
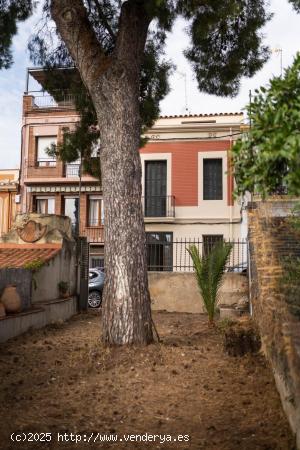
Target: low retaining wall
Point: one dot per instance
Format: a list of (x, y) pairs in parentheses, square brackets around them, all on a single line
[(42, 315), (178, 291)]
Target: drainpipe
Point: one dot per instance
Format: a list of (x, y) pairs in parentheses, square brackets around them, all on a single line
[(79, 194), (230, 206)]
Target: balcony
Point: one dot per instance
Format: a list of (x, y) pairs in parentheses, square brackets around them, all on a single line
[(158, 206), (45, 101), (94, 235), (47, 168), (72, 170)]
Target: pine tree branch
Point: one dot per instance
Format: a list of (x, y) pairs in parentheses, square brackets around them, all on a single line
[(72, 22), (131, 39)]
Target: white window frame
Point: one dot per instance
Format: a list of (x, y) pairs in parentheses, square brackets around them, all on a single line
[(222, 154), (157, 157), (46, 160), (96, 197), (40, 197)]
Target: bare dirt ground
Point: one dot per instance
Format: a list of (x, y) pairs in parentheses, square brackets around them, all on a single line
[(61, 380)]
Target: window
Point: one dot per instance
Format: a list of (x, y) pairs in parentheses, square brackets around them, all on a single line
[(213, 179), (43, 143), (71, 205), (45, 205), (97, 261), (160, 251), (155, 188), (209, 241), (96, 211)]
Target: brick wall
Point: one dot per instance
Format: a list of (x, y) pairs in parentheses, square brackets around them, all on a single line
[(58, 204), (32, 169), (271, 240)]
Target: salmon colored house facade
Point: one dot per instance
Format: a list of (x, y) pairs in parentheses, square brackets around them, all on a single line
[(187, 177), (9, 182)]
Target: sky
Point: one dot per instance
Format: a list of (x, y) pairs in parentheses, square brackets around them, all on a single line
[(282, 32)]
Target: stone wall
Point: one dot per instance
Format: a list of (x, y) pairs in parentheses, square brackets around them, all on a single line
[(178, 291), (271, 241)]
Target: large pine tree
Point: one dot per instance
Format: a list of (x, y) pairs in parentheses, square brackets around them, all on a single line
[(116, 46)]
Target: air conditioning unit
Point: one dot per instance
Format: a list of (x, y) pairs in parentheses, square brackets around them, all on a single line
[(17, 198)]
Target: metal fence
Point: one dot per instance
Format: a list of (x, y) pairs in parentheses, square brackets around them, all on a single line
[(172, 255), (94, 234)]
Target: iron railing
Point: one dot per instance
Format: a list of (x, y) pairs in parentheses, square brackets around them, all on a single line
[(173, 255), (159, 206), (94, 234), (72, 170), (47, 101)]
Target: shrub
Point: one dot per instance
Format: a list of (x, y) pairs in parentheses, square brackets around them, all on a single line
[(63, 287), (209, 271)]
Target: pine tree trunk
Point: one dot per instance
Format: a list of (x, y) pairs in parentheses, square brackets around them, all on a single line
[(126, 301), (113, 83)]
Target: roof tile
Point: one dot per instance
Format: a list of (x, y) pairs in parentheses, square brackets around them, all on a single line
[(17, 255)]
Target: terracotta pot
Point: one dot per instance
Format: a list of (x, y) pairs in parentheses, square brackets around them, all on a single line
[(11, 299), (2, 311)]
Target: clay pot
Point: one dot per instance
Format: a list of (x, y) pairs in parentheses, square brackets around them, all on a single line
[(11, 299), (2, 311)]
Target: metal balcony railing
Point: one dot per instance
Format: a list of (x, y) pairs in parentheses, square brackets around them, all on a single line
[(72, 170), (94, 234), (159, 206), (47, 101)]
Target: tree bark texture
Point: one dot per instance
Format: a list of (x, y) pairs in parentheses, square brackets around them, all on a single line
[(113, 83)]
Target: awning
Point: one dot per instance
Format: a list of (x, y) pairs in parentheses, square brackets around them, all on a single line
[(64, 189)]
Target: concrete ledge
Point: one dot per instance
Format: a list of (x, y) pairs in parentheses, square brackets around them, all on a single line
[(59, 309), (39, 316)]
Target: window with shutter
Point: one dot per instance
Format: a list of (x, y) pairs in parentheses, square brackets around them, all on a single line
[(213, 179)]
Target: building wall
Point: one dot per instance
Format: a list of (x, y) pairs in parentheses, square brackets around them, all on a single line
[(9, 181), (185, 167), (182, 141)]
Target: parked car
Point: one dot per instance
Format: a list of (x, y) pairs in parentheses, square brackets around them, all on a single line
[(238, 268), (96, 284)]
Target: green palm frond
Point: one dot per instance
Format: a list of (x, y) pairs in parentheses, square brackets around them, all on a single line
[(209, 271)]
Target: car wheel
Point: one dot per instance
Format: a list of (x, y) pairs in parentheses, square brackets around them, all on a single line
[(95, 299)]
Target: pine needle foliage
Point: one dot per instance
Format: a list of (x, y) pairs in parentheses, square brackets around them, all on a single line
[(209, 271)]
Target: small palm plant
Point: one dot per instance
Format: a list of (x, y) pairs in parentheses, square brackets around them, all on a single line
[(209, 271)]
